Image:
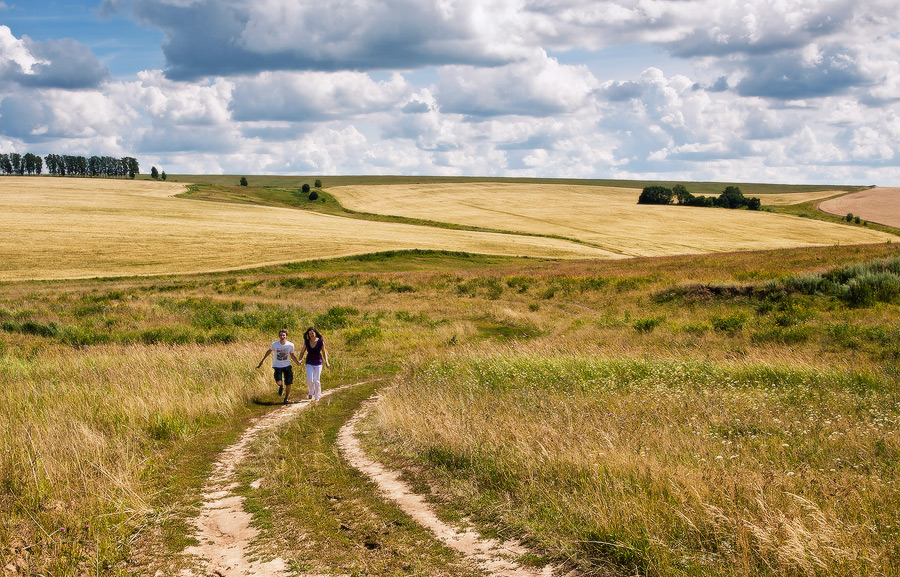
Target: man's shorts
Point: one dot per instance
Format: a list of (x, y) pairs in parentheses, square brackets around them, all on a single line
[(284, 374)]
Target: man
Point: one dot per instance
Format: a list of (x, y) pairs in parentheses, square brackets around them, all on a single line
[(281, 363)]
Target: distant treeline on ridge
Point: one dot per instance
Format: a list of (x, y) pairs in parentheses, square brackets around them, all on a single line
[(731, 197), (68, 165)]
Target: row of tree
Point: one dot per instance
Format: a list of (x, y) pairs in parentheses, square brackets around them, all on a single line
[(68, 165), (731, 197)]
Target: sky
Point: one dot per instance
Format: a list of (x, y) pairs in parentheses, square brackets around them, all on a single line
[(784, 91)]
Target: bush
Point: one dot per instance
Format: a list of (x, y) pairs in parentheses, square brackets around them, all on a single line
[(362, 334), (646, 325), (243, 181), (314, 195), (335, 318), (305, 188), (849, 217), (318, 183), (730, 323)]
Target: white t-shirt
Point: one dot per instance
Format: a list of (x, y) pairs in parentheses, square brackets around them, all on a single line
[(281, 354)]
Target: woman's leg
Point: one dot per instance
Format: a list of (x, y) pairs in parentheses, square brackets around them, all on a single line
[(310, 376), (315, 384)]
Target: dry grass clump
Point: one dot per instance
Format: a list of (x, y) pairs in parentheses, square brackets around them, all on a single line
[(665, 467)]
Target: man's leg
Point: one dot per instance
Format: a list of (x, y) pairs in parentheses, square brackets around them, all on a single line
[(288, 381), (279, 381)]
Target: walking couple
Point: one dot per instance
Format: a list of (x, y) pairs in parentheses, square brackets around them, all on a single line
[(283, 349)]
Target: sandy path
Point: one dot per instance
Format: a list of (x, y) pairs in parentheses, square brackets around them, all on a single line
[(223, 528), (881, 205), (494, 557)]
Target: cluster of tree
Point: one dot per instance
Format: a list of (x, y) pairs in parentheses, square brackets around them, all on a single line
[(314, 195), (68, 165), (155, 174), (731, 197), (19, 164)]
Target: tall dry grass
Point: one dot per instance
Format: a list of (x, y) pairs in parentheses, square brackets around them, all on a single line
[(81, 430), (664, 467)]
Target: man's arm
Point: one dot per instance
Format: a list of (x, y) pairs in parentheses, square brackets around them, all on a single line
[(268, 352)]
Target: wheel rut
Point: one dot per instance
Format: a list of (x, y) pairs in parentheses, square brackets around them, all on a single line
[(224, 530)]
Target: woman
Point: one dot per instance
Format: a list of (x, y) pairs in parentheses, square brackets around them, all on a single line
[(314, 347)]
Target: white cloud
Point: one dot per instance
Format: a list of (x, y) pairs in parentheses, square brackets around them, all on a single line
[(15, 58), (310, 96), (538, 86)]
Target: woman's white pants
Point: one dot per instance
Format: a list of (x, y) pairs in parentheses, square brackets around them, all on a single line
[(313, 383)]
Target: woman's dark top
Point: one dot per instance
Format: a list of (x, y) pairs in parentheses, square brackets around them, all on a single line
[(314, 353)]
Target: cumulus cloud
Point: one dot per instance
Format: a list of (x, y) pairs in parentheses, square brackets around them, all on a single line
[(224, 37), (82, 118), (791, 77), (61, 63), (538, 86), (311, 96)]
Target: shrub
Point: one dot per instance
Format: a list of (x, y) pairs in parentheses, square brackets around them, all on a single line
[(318, 183), (243, 181), (168, 335), (849, 217), (362, 334), (314, 195), (335, 318), (730, 323), (647, 324), (305, 188)]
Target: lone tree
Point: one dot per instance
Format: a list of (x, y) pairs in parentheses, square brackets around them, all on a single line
[(243, 181), (154, 174), (305, 188), (318, 183)]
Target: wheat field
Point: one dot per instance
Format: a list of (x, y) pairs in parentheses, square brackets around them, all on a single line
[(608, 218), (54, 228)]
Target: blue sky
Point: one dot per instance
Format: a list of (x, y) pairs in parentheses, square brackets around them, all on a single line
[(806, 91)]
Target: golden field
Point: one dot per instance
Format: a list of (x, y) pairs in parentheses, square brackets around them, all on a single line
[(608, 218), (53, 228)]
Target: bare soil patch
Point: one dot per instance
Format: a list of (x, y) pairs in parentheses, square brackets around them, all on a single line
[(880, 205)]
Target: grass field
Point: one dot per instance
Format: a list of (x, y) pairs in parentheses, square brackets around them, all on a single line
[(609, 218), (727, 414)]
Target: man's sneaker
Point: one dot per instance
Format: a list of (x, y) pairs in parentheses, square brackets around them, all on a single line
[(280, 390)]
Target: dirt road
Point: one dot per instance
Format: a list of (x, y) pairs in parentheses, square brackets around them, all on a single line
[(224, 530)]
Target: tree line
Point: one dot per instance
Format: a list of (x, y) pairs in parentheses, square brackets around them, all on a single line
[(14, 163), (731, 197)]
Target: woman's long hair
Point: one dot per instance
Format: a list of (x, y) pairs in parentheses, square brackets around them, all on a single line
[(306, 335)]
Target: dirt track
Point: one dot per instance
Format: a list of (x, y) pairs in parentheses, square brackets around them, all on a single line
[(881, 205), (224, 529)]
